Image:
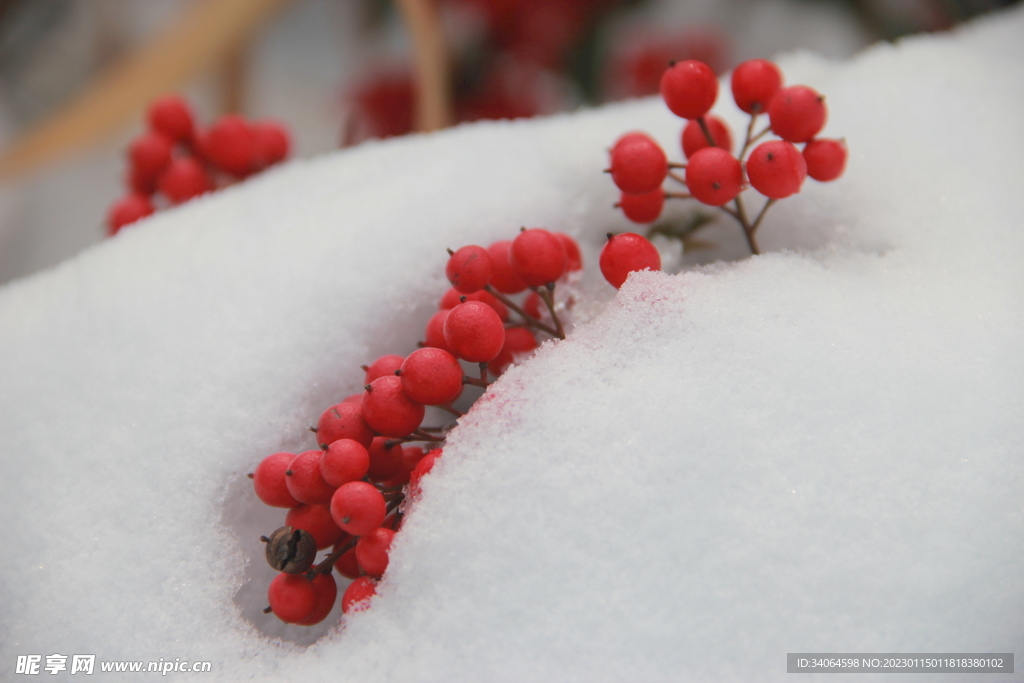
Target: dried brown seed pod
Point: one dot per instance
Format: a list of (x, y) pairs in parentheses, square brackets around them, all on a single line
[(289, 550)]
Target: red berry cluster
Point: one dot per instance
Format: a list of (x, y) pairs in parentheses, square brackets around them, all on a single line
[(713, 176), (173, 162), (348, 495)]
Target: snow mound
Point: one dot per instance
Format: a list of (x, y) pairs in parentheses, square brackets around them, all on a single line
[(818, 449)]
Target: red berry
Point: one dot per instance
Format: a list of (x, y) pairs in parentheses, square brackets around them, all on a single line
[(422, 468), (776, 169), (537, 257), (452, 298), (126, 210), (270, 144), (714, 176), (347, 565), (469, 269), (474, 332), (292, 597), (270, 483), (797, 113), (517, 340), (434, 333), (689, 88), (317, 520), (358, 507), (343, 421), (372, 551), (228, 145), (626, 253), (432, 376), (503, 278), (388, 410), (694, 139), (357, 596), (304, 480), (140, 183), (344, 460), (385, 461), (171, 116), (825, 158), (754, 83), (385, 365), (354, 398), (532, 305), (184, 179), (150, 154), (643, 208), (638, 164), (572, 252), (326, 593)]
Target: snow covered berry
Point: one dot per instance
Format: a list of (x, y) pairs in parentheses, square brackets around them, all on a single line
[(626, 253), (643, 208), (714, 176), (826, 158), (638, 164), (776, 169), (797, 113), (357, 596), (388, 410), (689, 88), (126, 210), (469, 269), (754, 84)]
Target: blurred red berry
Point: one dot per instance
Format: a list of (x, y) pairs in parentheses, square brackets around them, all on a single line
[(228, 145), (638, 164), (826, 158), (689, 89), (642, 208), (184, 179), (797, 113), (126, 210), (776, 169), (714, 176), (754, 83), (626, 253), (171, 116)]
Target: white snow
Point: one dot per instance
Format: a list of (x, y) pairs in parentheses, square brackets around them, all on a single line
[(817, 449)]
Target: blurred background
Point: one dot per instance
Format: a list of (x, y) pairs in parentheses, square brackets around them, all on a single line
[(76, 76)]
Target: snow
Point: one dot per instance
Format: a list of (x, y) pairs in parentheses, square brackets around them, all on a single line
[(817, 449)]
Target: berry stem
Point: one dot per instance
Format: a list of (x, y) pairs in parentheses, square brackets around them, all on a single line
[(483, 372), (473, 381), (707, 131), (748, 231), (423, 436), (750, 131), (547, 295), (678, 195), (448, 407), (527, 318), (327, 564), (676, 178), (673, 164), (757, 221)]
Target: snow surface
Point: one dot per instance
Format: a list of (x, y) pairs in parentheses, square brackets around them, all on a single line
[(817, 449)]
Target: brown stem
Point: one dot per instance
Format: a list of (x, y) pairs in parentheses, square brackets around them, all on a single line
[(678, 195), (707, 131), (750, 131), (327, 564), (473, 381), (678, 179), (527, 318), (448, 407), (547, 296), (741, 215)]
